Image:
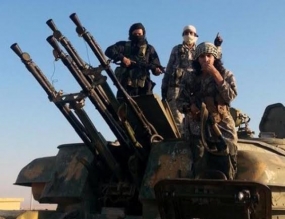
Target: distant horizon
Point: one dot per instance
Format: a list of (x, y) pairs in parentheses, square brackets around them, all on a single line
[(30, 204)]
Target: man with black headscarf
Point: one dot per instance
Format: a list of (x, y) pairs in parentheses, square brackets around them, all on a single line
[(136, 58)]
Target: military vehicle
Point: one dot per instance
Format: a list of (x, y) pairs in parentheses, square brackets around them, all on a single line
[(147, 175)]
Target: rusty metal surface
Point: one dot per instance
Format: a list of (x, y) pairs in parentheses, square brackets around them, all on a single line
[(155, 112), (257, 144), (37, 189), (259, 164), (69, 176), (211, 199), (167, 160), (38, 171)]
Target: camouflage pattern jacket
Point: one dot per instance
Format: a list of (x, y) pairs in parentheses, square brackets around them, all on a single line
[(195, 89), (181, 57)]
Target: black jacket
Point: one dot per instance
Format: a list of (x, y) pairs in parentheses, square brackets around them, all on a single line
[(117, 51)]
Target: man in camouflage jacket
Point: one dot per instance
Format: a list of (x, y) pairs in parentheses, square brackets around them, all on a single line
[(210, 84), (179, 63)]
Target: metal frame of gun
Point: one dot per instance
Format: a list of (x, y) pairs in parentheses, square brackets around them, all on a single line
[(147, 66), (101, 88), (94, 75), (71, 105), (95, 99), (83, 126), (88, 89), (106, 65), (140, 64)]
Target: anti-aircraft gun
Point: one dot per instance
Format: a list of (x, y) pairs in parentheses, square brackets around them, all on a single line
[(106, 176), (148, 175)]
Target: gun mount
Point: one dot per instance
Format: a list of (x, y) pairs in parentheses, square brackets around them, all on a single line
[(148, 174)]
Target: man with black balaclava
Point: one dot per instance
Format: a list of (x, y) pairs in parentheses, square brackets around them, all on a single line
[(136, 58)]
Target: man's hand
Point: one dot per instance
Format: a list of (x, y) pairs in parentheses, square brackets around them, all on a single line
[(218, 40), (209, 68), (157, 71), (127, 62)]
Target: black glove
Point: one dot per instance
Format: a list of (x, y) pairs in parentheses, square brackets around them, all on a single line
[(218, 40), (163, 94)]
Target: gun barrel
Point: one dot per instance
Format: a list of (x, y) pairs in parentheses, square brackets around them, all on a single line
[(67, 45), (25, 57), (88, 89), (83, 127), (53, 43), (15, 47), (102, 59), (103, 90), (51, 24), (80, 29), (49, 89)]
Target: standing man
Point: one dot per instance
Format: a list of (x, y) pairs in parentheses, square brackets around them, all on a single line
[(136, 58), (214, 141), (179, 63)]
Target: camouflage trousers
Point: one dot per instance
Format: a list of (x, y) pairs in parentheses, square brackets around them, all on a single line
[(172, 95), (204, 161)]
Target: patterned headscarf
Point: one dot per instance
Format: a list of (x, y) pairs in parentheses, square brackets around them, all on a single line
[(206, 47)]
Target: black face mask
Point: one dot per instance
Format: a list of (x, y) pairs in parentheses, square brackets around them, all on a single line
[(137, 39)]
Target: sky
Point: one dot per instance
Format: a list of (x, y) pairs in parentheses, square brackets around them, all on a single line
[(31, 126)]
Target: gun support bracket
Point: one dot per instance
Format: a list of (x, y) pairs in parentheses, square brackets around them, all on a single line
[(77, 104), (55, 55), (57, 35), (25, 57), (80, 31)]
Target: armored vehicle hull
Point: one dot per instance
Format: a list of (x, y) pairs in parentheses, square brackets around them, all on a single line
[(148, 174)]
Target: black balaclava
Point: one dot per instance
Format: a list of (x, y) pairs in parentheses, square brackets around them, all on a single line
[(137, 39)]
